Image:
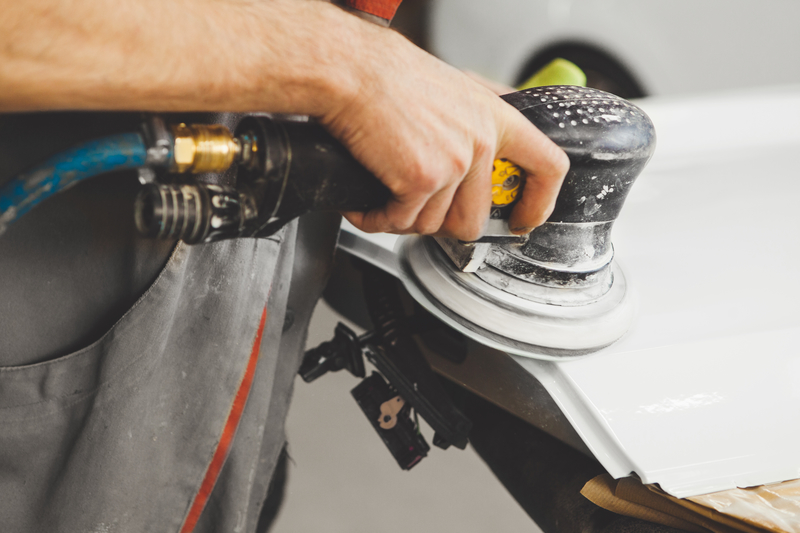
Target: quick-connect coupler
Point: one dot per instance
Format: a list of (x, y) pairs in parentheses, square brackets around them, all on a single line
[(200, 148), (179, 149)]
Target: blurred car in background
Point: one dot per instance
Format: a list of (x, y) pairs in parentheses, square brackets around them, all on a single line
[(632, 48)]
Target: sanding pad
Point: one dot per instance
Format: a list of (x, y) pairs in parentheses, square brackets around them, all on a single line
[(504, 321)]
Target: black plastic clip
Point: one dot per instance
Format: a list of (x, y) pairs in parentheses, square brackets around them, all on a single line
[(409, 376), (343, 351)]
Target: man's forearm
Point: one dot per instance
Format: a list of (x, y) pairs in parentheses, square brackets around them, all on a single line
[(279, 56), (420, 126)]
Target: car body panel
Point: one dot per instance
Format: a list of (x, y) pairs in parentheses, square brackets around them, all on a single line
[(703, 392)]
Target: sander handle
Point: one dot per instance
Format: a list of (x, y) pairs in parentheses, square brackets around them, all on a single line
[(313, 170)]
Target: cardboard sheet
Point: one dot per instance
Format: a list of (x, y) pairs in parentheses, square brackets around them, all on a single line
[(769, 508)]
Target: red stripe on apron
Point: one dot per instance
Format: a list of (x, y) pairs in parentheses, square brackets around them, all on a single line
[(228, 432)]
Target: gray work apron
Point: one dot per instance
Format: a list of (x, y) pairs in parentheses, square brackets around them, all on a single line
[(132, 433)]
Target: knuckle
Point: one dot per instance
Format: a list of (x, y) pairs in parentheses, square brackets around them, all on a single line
[(427, 182), (460, 165), (483, 162), (484, 149), (561, 164), (415, 166), (422, 180), (427, 227), (395, 227), (400, 223), (470, 229), (472, 232)]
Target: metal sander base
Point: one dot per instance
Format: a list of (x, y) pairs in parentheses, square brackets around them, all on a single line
[(504, 321)]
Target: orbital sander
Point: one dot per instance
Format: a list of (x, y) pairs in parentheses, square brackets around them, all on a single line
[(556, 292)]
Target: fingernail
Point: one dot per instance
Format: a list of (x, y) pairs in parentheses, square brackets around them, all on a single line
[(521, 230)]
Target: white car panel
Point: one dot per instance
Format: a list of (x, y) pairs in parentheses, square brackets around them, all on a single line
[(703, 393)]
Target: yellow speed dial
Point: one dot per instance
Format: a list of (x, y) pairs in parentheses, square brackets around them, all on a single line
[(507, 181)]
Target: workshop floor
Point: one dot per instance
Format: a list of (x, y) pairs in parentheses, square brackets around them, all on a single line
[(343, 480)]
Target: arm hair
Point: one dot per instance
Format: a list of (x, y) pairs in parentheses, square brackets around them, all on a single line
[(180, 55)]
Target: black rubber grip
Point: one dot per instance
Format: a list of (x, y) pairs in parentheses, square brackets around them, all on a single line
[(324, 176)]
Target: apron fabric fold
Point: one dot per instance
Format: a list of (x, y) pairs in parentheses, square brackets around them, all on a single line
[(123, 435)]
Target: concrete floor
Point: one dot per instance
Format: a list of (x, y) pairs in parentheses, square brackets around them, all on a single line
[(343, 479)]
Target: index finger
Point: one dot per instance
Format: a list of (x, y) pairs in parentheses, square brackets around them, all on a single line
[(545, 165)]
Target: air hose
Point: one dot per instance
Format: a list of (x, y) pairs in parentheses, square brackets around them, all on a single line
[(66, 169)]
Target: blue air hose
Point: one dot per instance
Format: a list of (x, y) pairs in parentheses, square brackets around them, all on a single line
[(62, 171)]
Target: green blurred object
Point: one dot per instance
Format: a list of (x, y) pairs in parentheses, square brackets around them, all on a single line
[(557, 72)]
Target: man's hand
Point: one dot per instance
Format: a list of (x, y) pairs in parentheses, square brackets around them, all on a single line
[(431, 134), (423, 128)]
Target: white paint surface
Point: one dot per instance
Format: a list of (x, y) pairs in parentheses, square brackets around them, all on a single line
[(703, 394)]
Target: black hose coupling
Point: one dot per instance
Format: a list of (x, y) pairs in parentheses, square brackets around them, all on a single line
[(194, 213)]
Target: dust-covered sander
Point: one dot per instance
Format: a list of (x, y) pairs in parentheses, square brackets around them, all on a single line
[(557, 292)]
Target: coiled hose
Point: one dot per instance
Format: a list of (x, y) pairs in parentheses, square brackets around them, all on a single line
[(66, 169)]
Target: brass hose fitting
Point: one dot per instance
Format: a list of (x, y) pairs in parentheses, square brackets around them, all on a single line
[(203, 148)]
